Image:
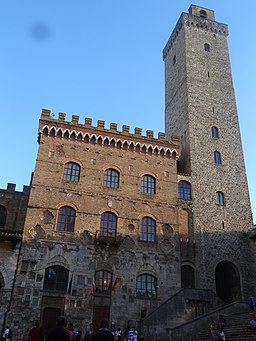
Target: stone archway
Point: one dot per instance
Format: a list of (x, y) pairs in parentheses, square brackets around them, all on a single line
[(227, 280)]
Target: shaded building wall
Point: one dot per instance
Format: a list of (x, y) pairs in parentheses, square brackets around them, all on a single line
[(13, 206)]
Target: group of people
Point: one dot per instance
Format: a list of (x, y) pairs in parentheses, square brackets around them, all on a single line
[(65, 331), (112, 334), (217, 329)]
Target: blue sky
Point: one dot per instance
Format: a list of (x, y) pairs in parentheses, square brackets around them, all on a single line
[(103, 59)]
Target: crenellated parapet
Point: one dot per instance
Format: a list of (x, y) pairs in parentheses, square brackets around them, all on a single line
[(199, 23), (86, 133)]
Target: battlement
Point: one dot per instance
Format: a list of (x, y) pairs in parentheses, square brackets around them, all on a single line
[(11, 189), (99, 135), (200, 22), (46, 115)]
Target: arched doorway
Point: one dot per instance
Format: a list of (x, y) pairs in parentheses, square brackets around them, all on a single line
[(227, 280), (187, 276)]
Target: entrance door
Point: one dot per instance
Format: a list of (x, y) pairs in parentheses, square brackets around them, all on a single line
[(100, 313), (228, 282), (50, 316), (52, 307)]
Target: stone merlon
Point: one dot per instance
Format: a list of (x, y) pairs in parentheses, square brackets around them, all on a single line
[(48, 120)]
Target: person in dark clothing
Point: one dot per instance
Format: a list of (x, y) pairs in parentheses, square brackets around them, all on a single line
[(103, 334), (89, 334), (60, 333)]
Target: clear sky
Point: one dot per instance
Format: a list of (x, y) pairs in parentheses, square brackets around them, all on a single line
[(103, 59)]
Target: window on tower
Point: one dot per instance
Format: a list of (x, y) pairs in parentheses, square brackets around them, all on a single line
[(215, 133), (207, 47), (219, 198), (217, 158), (184, 190), (203, 14)]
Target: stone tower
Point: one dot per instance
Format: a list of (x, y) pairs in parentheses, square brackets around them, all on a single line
[(201, 108)]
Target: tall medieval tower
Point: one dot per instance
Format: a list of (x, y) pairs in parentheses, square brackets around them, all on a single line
[(201, 108)]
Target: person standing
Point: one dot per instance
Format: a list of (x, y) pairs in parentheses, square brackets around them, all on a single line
[(36, 333), (7, 335), (89, 333), (103, 334), (213, 330), (129, 332), (60, 333)]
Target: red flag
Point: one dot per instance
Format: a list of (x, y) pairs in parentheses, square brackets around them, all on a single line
[(93, 288), (114, 286)]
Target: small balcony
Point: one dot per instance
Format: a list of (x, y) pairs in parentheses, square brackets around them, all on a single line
[(107, 240)]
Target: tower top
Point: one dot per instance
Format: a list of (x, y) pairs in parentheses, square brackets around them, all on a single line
[(201, 12)]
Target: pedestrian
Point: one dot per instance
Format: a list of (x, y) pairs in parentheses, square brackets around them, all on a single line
[(119, 334), (213, 330), (60, 333), (78, 333), (141, 336), (36, 333), (156, 336), (7, 335), (103, 334), (129, 332), (89, 333), (113, 330), (72, 331)]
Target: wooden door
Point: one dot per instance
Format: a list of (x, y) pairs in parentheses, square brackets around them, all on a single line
[(100, 313), (50, 316)]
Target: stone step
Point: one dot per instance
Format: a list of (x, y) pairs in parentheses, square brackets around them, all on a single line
[(235, 328)]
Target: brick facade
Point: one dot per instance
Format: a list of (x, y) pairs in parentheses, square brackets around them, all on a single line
[(84, 251)]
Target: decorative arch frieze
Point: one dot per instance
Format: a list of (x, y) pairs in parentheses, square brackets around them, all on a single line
[(111, 142)]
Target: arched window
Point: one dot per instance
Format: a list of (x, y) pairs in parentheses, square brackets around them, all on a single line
[(56, 278), (203, 13), (207, 47), (217, 158), (220, 198), (111, 178), (3, 215), (184, 190), (148, 184), (215, 133), (146, 286), (66, 219), (148, 229), (187, 276), (71, 172), (103, 282), (108, 225)]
